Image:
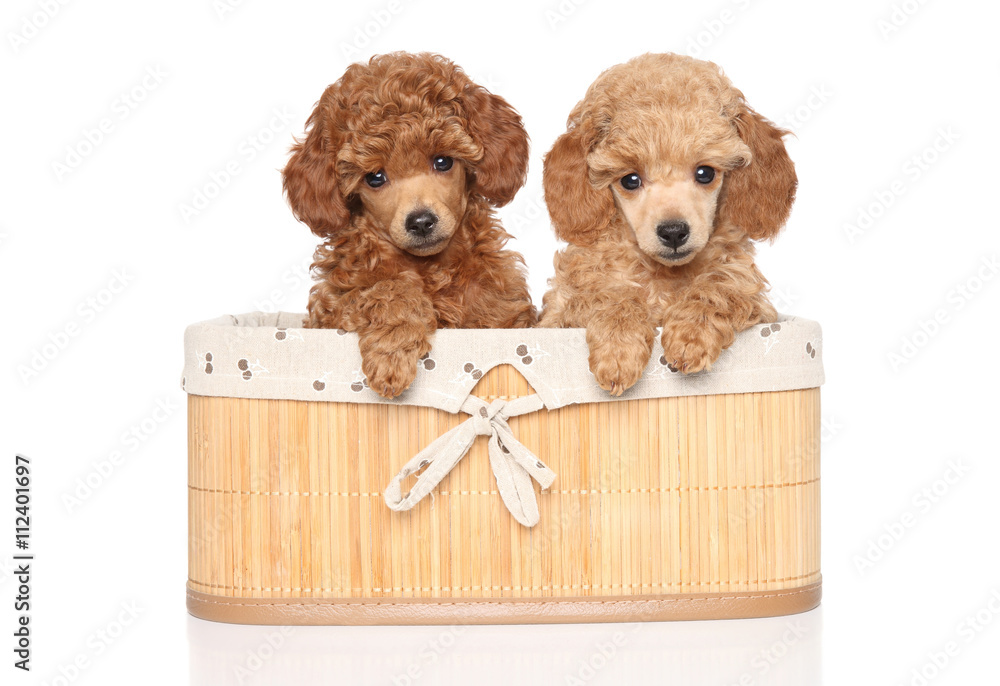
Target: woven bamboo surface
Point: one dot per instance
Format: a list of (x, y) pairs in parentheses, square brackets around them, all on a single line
[(698, 494)]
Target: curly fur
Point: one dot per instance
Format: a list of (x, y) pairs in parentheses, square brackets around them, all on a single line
[(662, 116), (396, 113)]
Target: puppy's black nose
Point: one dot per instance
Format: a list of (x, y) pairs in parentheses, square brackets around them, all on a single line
[(421, 222), (673, 234)]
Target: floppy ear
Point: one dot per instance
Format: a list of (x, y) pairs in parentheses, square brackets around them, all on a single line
[(579, 212), (310, 177), (758, 197), (497, 127)]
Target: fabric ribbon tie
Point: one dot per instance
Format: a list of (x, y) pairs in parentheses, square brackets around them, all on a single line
[(513, 465)]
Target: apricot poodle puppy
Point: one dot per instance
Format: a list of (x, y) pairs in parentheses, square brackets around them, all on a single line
[(403, 162), (662, 180)]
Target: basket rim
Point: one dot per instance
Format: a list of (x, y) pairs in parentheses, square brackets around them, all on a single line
[(269, 356)]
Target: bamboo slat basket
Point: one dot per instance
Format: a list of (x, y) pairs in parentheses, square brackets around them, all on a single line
[(688, 506)]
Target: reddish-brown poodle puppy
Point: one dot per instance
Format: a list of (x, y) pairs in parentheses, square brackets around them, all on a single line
[(404, 160), (662, 180)]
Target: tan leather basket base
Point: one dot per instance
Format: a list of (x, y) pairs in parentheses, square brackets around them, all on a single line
[(412, 611)]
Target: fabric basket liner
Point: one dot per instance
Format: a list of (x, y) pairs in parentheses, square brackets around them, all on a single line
[(270, 355)]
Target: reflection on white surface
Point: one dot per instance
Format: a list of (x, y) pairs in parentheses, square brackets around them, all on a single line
[(753, 652)]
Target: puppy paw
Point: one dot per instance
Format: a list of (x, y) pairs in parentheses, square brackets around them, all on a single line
[(618, 358), (389, 358), (614, 375), (389, 374), (690, 347)]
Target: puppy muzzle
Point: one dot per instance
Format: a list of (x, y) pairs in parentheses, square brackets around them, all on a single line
[(420, 223), (673, 234)]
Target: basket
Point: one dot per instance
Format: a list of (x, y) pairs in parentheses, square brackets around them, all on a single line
[(314, 501)]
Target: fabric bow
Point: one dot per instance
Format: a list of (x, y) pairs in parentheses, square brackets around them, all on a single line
[(513, 465)]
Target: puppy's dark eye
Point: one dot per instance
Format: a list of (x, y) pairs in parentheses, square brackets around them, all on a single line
[(704, 175), (442, 163), (377, 179), (631, 181)]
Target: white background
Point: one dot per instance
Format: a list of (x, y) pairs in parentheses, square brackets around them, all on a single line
[(887, 93)]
